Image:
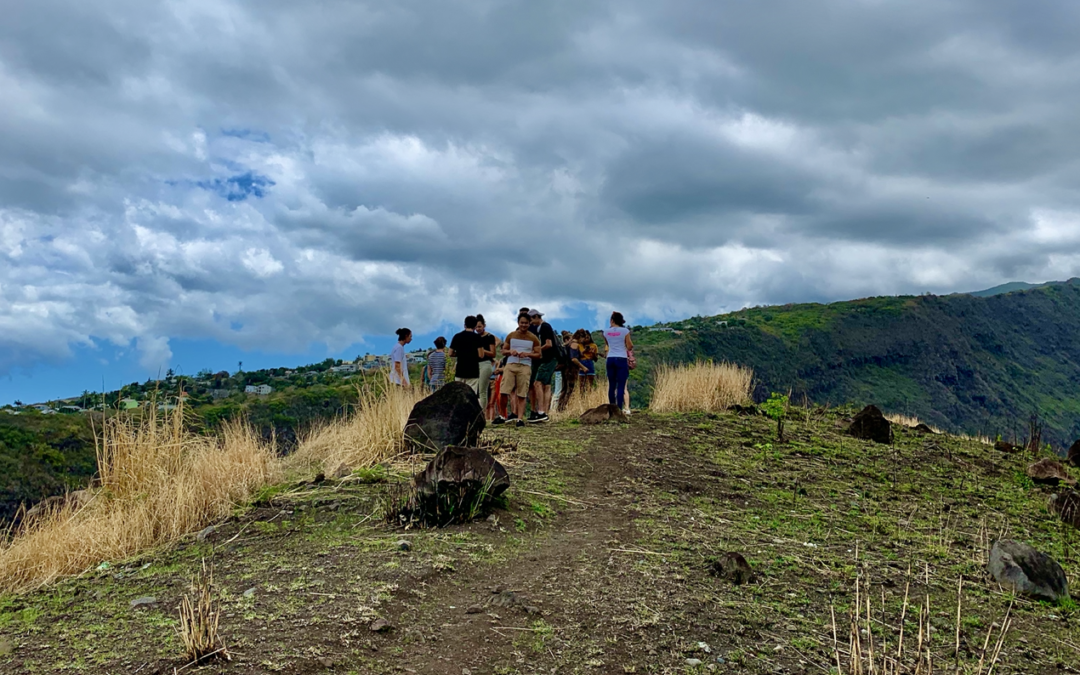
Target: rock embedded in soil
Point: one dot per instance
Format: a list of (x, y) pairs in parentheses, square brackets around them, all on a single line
[(205, 532), (1027, 571), (450, 416), (870, 424), (924, 429), (1002, 446), (145, 601), (457, 480), (380, 626), (6, 647), (1073, 455), (603, 413), (1048, 471), (403, 545), (733, 567)]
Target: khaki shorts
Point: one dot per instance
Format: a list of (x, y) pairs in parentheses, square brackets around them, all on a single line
[(516, 379)]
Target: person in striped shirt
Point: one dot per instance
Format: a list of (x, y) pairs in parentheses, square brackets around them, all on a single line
[(436, 364)]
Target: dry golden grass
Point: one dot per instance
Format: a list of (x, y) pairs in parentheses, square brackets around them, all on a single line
[(583, 398), (701, 386), (158, 482), (370, 434)]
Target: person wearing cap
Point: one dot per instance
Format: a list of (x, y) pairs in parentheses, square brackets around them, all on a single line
[(544, 367)]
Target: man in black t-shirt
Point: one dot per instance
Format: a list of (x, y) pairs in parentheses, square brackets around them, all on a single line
[(466, 348), (544, 367)]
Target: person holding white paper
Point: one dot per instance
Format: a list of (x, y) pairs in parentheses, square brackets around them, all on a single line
[(520, 348)]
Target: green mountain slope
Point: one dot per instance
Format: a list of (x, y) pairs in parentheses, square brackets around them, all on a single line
[(966, 363), (1010, 287)]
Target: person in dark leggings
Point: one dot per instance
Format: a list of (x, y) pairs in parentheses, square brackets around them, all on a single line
[(619, 344)]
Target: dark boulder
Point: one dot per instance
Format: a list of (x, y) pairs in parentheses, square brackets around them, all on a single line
[(1073, 456), (1027, 571), (744, 409), (1003, 446), (733, 567), (450, 416), (603, 413), (458, 485), (871, 425), (1066, 506), (1048, 471), (922, 428)]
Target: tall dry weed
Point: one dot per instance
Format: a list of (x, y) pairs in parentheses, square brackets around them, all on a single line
[(369, 434), (582, 399), (701, 386), (158, 482)]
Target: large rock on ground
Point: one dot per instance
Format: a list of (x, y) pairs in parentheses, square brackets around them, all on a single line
[(458, 483), (871, 425), (1027, 571), (1048, 471), (603, 413), (450, 416), (1073, 456), (1066, 505)]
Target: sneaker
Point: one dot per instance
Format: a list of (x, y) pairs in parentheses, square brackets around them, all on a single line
[(533, 416), (539, 417), (498, 420), (520, 423), (512, 417)]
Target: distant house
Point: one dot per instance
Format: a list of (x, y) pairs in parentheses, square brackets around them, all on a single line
[(220, 393), (166, 406), (416, 358), (128, 404), (345, 368), (71, 409), (260, 389)]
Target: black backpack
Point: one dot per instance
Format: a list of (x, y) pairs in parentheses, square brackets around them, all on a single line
[(562, 354)]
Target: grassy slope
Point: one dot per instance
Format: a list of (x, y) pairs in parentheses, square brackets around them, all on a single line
[(608, 532), (960, 362)]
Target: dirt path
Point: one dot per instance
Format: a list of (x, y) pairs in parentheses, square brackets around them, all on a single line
[(555, 581)]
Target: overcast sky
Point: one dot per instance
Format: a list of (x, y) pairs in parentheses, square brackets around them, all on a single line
[(283, 177)]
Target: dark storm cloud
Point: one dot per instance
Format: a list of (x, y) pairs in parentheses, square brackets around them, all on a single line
[(317, 171)]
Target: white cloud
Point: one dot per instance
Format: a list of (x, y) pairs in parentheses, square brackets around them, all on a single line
[(270, 177)]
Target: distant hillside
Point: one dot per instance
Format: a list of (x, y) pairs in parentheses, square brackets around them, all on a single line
[(966, 363), (1010, 287)]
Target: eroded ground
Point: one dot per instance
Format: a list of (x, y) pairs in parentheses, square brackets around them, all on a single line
[(600, 564)]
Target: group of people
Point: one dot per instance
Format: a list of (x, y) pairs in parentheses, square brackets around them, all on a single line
[(530, 370)]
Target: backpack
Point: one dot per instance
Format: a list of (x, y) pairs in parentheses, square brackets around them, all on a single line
[(562, 354)]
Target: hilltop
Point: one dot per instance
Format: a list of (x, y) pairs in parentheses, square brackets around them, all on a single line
[(600, 562)]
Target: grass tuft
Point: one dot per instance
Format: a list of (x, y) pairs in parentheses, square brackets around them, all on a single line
[(370, 434), (702, 386), (158, 482)]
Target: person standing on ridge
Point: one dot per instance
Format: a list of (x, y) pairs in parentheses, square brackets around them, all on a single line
[(436, 364), (488, 343), (465, 347), (619, 344), (399, 364), (544, 367), (520, 348)]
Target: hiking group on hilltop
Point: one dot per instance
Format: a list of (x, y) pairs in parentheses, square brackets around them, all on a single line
[(534, 367)]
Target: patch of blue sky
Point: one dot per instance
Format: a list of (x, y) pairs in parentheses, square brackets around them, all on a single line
[(253, 135), (239, 187)]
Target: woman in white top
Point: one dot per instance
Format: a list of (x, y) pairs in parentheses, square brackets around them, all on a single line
[(399, 365), (619, 344)]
